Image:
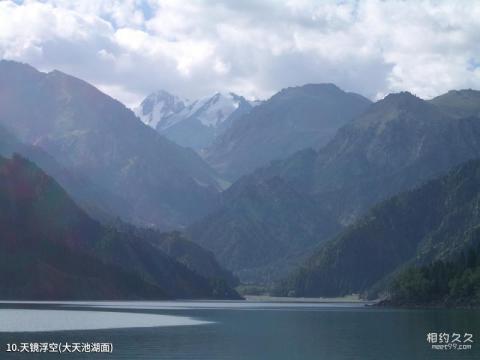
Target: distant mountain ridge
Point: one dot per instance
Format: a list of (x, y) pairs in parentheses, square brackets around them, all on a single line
[(192, 123)]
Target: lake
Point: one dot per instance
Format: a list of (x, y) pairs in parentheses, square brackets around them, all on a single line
[(233, 330)]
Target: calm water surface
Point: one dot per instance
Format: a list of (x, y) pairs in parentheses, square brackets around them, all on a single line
[(235, 330)]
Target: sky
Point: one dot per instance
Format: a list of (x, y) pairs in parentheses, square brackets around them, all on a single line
[(251, 47)]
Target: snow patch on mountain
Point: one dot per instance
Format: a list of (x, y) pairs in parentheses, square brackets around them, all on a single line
[(214, 110), (158, 107), (161, 110)]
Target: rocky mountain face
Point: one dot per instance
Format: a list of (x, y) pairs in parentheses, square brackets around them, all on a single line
[(56, 251), (437, 221), (195, 124), (293, 119), (98, 138)]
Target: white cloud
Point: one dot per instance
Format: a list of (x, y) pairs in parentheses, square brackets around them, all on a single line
[(129, 48)]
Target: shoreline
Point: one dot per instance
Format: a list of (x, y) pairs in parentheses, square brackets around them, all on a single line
[(345, 299)]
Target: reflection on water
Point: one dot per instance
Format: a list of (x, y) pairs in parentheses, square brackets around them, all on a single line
[(239, 330), (18, 320)]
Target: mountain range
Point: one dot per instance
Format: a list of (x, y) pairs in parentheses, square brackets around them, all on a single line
[(316, 186), (395, 145), (400, 142)]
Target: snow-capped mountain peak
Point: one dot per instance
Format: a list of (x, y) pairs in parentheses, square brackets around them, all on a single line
[(159, 106), (213, 110), (162, 110), (192, 123)]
